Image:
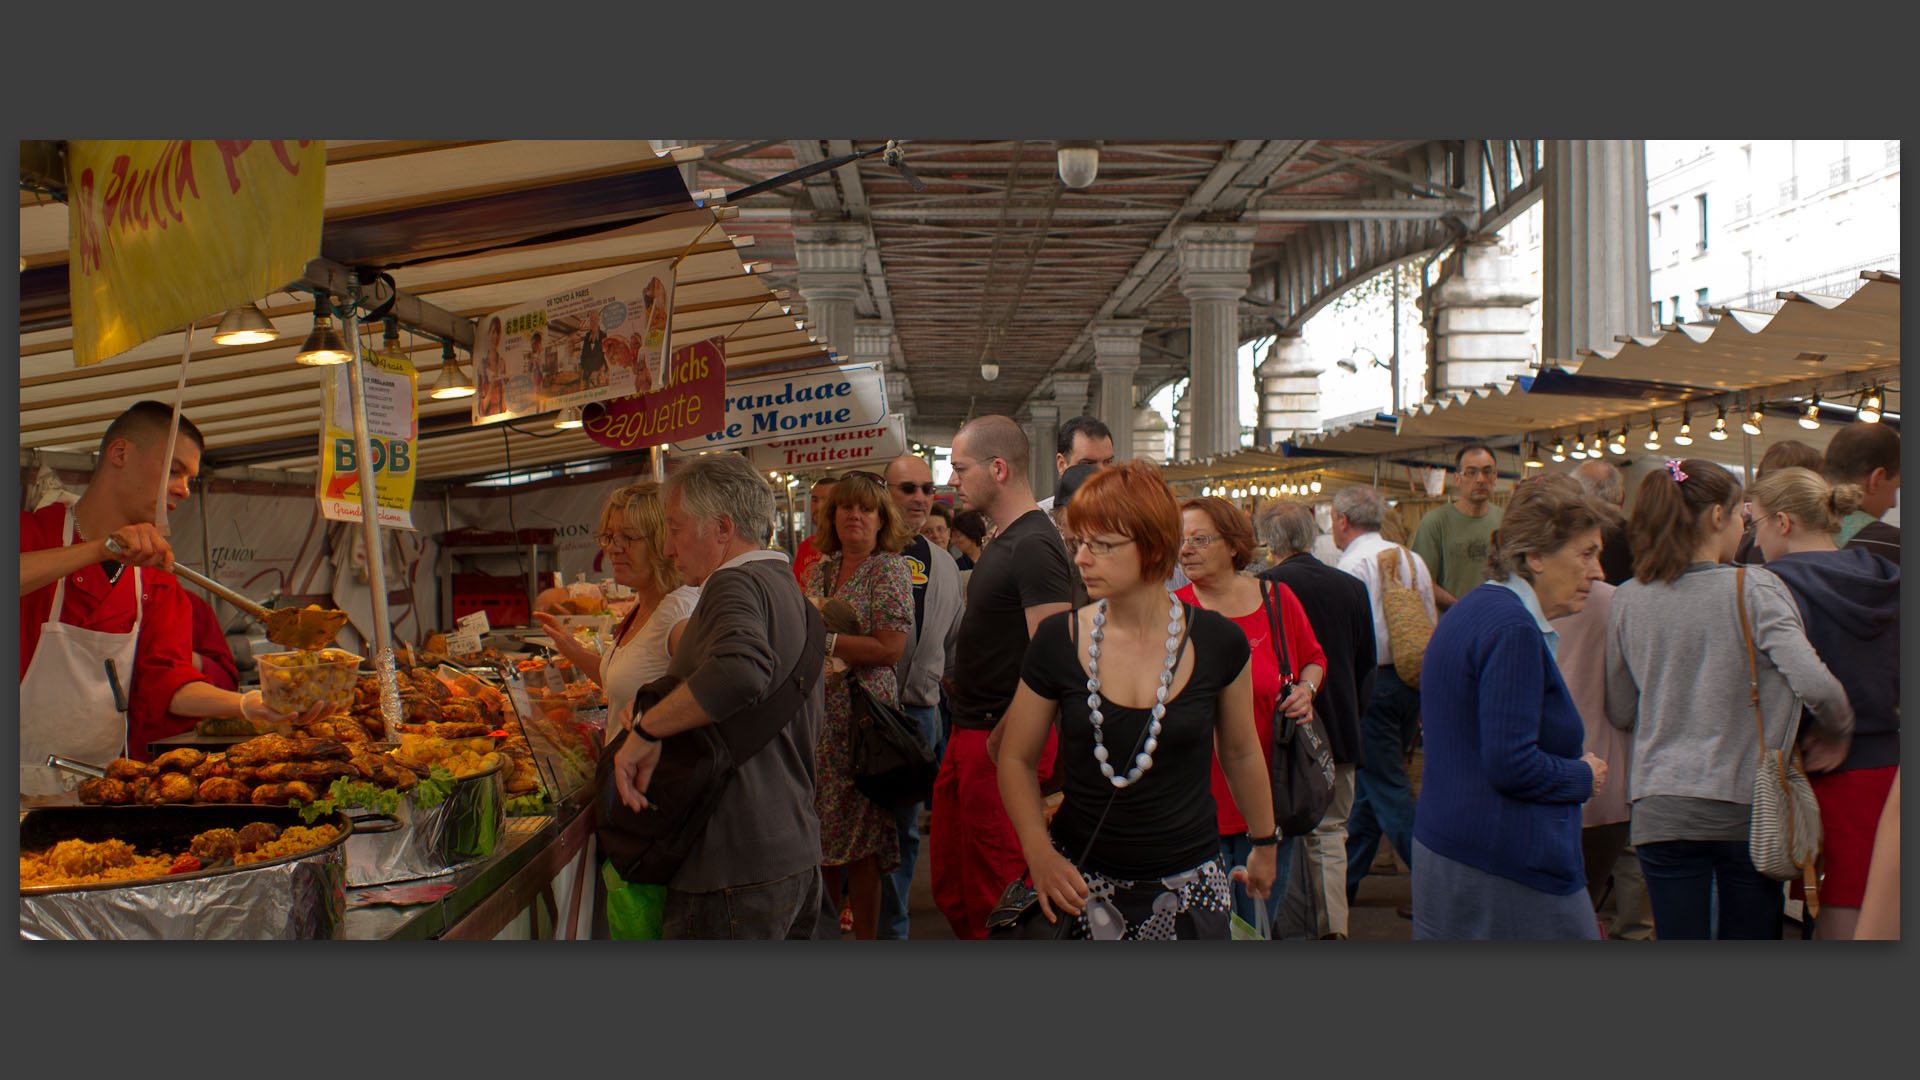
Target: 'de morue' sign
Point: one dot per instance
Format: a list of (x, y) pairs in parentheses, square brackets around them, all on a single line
[(689, 407), (793, 406)]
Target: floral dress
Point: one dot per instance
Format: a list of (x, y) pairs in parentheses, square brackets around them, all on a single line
[(852, 826)]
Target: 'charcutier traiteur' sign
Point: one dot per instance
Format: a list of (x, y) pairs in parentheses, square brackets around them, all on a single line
[(779, 407)]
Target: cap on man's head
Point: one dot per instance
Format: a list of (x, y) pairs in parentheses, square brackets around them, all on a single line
[(1070, 482)]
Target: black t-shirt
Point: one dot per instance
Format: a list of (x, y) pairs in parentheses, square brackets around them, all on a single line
[(1165, 822), (919, 555), (1025, 566)]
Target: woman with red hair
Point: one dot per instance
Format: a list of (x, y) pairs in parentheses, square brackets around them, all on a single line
[(1216, 545), (1146, 690)]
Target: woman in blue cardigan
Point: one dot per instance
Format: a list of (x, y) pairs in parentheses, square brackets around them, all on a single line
[(1496, 836)]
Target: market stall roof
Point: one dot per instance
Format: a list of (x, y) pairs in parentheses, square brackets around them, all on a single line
[(1810, 343), (468, 227)]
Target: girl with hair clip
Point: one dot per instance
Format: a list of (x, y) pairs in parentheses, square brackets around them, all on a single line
[(1849, 601), (1678, 676), (1146, 690)]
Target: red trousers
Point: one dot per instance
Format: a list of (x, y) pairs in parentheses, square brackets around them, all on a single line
[(973, 850)]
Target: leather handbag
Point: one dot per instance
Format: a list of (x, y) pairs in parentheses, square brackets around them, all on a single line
[(891, 762), (1784, 835), (1302, 758), (647, 847), (1018, 915), (1409, 627)]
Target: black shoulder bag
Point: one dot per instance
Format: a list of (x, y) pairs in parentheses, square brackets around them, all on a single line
[(647, 847), (891, 763), (1302, 759), (1018, 917)]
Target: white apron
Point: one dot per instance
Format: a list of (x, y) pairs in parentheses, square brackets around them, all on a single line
[(66, 702)]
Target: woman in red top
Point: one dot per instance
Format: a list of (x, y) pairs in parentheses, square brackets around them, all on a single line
[(1217, 543)]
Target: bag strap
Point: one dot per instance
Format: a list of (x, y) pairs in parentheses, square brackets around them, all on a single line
[(1186, 634), (1753, 690), (746, 735), (1270, 597)]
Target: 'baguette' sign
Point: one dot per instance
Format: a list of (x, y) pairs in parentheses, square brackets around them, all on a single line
[(781, 407), (689, 407)]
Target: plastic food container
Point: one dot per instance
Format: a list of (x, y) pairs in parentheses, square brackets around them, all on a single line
[(292, 682)]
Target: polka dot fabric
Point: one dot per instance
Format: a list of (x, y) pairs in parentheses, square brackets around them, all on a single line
[(1192, 905)]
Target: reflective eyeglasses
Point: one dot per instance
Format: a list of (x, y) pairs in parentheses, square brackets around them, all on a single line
[(1098, 547), (908, 487)]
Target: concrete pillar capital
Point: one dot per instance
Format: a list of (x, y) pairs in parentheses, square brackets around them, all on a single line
[(1214, 261), (1070, 392), (872, 340)]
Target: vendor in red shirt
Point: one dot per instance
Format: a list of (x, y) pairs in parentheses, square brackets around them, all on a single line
[(131, 612), (807, 554)]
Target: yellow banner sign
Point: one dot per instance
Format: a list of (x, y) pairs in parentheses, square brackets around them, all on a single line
[(393, 434), (163, 232)]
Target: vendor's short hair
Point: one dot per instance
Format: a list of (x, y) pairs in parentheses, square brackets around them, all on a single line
[(1085, 424), (1461, 454), (1362, 506), (1543, 516), (727, 485), (145, 423), (1858, 449)]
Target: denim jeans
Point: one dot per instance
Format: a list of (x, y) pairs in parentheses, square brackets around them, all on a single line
[(1685, 878), (895, 887), (1234, 851), (1383, 796), (784, 908)]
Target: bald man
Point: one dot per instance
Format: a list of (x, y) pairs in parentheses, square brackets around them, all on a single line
[(923, 663), (1020, 579)]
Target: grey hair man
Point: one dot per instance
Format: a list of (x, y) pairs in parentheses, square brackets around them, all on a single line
[(1335, 603), (924, 665), (1383, 797), (1602, 480), (756, 871)]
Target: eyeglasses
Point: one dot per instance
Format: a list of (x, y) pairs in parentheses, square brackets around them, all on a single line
[(609, 540), (908, 487), (1199, 542), (1490, 473), (1098, 547)]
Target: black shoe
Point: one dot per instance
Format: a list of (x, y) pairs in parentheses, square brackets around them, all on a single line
[(1405, 911)]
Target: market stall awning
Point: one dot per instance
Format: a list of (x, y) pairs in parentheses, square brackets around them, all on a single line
[(469, 228)]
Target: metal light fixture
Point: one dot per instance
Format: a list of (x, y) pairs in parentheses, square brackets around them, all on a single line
[(1315, 486), (1871, 405), (1533, 457), (1078, 161), (569, 418), (1618, 444), (323, 345), (1811, 421), (1580, 446), (453, 381), (1653, 436), (1684, 437), (1559, 449), (1751, 425), (244, 325), (1719, 432)]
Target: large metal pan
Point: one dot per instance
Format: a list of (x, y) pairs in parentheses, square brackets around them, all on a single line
[(299, 896)]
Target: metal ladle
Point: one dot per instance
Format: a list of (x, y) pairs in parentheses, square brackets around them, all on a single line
[(296, 628)]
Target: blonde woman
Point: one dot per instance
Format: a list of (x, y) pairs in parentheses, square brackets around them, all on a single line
[(632, 526), (1849, 601)]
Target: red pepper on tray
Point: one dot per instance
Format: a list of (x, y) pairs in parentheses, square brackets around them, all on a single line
[(185, 864)]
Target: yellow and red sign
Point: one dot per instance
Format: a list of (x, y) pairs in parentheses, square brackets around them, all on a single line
[(163, 232), (393, 436)]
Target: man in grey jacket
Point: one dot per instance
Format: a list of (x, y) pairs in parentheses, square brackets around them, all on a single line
[(756, 872), (924, 662)]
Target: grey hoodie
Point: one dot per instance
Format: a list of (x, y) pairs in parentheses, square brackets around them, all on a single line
[(1677, 676)]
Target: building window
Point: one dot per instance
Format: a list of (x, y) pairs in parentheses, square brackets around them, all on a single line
[(1700, 304), (1700, 205), (1659, 313), (1658, 227), (1673, 305)]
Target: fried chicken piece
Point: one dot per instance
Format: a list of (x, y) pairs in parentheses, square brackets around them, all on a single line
[(224, 789), (463, 711), (251, 836), (419, 708), (281, 794), (215, 844), (318, 773), (446, 731), (105, 791), (524, 778), (171, 787), (270, 748), (137, 789), (128, 769), (205, 769), (183, 759)]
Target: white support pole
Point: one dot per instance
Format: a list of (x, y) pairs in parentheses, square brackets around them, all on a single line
[(383, 669)]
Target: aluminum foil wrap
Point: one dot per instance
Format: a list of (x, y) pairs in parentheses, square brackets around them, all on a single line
[(465, 827), (300, 899)]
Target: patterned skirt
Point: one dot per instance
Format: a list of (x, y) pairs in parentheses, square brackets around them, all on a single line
[(1193, 905), (852, 826)]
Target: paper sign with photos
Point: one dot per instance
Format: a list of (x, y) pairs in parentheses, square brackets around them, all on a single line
[(589, 343)]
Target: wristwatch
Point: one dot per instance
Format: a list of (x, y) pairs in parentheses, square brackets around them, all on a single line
[(1265, 841), (641, 733)]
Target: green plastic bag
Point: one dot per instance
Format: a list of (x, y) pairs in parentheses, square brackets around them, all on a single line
[(634, 912)]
